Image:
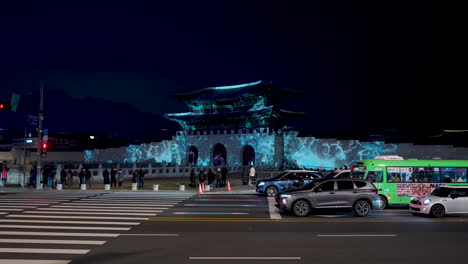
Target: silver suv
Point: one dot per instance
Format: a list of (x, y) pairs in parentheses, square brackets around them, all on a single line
[(360, 196), (442, 201)]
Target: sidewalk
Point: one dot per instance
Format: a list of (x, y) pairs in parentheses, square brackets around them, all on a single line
[(166, 184)]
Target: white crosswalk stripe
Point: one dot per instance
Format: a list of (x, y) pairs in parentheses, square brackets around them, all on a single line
[(73, 219)]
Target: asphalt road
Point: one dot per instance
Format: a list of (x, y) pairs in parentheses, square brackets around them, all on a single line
[(227, 228)]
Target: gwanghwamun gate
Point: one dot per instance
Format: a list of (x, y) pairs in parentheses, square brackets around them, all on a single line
[(236, 126)]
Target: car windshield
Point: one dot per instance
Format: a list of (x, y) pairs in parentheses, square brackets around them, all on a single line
[(441, 192), (277, 177)]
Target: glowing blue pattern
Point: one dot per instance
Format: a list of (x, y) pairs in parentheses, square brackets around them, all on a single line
[(235, 86)]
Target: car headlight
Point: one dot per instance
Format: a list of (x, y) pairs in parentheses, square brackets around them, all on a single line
[(285, 196), (261, 183), (427, 201)]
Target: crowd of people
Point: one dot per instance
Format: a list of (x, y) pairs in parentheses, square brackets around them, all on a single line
[(219, 174)]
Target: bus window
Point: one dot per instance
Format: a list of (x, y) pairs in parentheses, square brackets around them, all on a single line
[(375, 176), (453, 174), (426, 174), (358, 172), (399, 174)]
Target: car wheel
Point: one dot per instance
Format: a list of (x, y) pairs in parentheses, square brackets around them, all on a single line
[(437, 210), (383, 202), (301, 208), (361, 208), (271, 191)]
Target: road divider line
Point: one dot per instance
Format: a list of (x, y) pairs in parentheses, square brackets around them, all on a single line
[(16, 233), (53, 241), (79, 217), (99, 210), (209, 213), (66, 222), (128, 205), (66, 227), (159, 235), (34, 261), (274, 212), (106, 207), (86, 213), (222, 205), (244, 258), (44, 251)]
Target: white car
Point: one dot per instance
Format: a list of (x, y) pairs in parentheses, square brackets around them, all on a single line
[(442, 201)]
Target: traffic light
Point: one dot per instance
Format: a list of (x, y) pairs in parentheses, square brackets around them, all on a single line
[(4, 106), (44, 146)]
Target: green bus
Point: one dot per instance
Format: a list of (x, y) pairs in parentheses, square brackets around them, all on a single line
[(398, 179)]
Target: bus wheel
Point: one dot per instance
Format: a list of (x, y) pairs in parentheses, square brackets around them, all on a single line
[(437, 210), (383, 202)]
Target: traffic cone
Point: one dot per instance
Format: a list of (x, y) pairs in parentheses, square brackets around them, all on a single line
[(203, 186), (200, 188), (228, 187)]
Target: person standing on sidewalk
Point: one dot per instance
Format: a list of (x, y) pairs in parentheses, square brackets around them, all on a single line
[(105, 176), (69, 178), (219, 178), (192, 178), (81, 176), (141, 179), (113, 179), (63, 176), (4, 175), (251, 175), (120, 177), (201, 176), (88, 178), (32, 176)]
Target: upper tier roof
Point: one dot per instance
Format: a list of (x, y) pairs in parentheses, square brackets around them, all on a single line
[(234, 91)]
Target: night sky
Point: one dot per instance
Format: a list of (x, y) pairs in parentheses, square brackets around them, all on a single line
[(361, 66)]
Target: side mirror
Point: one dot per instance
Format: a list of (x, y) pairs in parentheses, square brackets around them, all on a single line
[(454, 195), (318, 189)]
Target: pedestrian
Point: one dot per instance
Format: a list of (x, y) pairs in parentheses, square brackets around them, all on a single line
[(141, 178), (113, 172), (50, 178), (120, 177), (135, 176), (81, 176), (251, 175), (63, 176), (219, 178), (105, 176), (32, 177), (224, 172), (201, 176), (192, 178), (69, 177), (211, 176), (88, 178), (4, 174)]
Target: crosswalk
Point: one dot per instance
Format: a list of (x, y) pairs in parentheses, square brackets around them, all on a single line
[(54, 228)]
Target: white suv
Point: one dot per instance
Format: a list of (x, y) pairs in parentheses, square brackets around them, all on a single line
[(443, 200)]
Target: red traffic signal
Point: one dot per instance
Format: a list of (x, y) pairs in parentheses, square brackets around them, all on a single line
[(4, 106), (44, 146)]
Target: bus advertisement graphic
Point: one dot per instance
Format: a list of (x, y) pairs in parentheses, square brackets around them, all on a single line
[(415, 189)]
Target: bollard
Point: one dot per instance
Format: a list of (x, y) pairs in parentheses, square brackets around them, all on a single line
[(134, 187), (208, 188), (59, 186), (182, 188), (107, 187), (83, 187), (155, 187)]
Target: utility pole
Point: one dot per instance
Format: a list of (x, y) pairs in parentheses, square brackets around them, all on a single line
[(39, 138)]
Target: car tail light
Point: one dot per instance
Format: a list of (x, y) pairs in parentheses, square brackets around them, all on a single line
[(375, 191)]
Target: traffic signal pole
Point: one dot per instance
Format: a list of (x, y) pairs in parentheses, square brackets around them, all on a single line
[(39, 139)]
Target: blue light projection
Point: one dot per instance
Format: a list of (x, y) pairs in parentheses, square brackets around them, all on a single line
[(235, 86)]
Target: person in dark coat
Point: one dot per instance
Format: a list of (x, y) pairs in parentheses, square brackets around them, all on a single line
[(135, 176), (105, 176), (81, 176), (141, 178), (32, 177), (113, 179), (50, 178), (192, 178), (88, 177), (63, 176), (219, 179), (201, 176), (211, 176), (224, 172)]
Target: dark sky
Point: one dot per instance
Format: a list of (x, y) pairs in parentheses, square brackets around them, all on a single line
[(360, 66)]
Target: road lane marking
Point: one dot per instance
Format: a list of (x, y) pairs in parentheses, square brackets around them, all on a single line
[(221, 205), (11, 209), (18, 203), (17, 206), (102, 205), (163, 235), (313, 220), (245, 258), (274, 212), (99, 210), (16, 233), (67, 227), (52, 241), (86, 213), (106, 207), (228, 200), (79, 217), (208, 213), (359, 235), (44, 250), (67, 222), (33, 261), (3, 213)]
